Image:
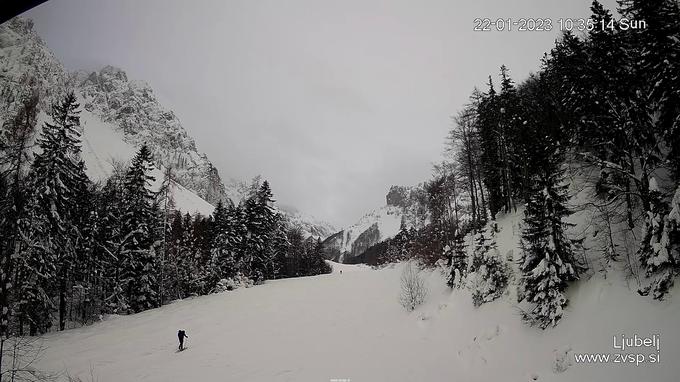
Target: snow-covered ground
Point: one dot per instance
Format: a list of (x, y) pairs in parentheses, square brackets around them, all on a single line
[(350, 326)]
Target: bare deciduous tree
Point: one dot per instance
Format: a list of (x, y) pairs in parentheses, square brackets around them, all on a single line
[(413, 288), (20, 356)]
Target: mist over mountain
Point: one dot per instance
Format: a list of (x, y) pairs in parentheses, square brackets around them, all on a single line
[(119, 115)]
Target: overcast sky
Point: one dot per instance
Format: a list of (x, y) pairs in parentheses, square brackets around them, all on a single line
[(331, 101)]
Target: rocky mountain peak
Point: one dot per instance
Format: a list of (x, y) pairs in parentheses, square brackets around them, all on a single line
[(132, 105)]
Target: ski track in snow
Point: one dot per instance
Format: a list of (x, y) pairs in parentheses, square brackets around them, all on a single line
[(351, 326)]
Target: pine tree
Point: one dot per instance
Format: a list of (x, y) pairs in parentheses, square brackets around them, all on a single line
[(58, 180), (660, 250), (225, 243), (399, 248), (198, 273), (88, 257), (140, 220), (111, 238), (178, 266), (655, 57), (547, 262), (260, 220), (481, 246), (165, 205), (281, 247), (318, 265), (491, 278), (491, 162), (296, 252)]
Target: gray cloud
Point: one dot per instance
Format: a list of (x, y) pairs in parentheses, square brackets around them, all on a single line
[(332, 101)]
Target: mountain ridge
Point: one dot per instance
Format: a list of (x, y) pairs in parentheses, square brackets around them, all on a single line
[(127, 113)]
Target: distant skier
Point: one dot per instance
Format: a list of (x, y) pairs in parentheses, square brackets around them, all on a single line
[(181, 335), (341, 271)]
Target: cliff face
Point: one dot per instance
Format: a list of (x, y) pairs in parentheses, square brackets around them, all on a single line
[(365, 240), (133, 106), (27, 66)]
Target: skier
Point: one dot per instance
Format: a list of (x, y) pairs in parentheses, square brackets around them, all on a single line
[(181, 335)]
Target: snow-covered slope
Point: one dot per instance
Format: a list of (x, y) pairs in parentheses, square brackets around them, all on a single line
[(104, 146), (350, 326)]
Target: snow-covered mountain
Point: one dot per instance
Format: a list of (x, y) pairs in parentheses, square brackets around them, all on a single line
[(104, 146), (133, 107), (28, 66), (402, 203), (308, 224), (118, 115)]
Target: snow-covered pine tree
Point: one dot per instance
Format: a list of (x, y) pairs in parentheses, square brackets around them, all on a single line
[(224, 245), (251, 240), (220, 218), (58, 180), (459, 261), (656, 58), (482, 245), (399, 247), (139, 222), (110, 210), (85, 298), (196, 274), (491, 278), (261, 222), (307, 257), (547, 262), (278, 245), (239, 230), (659, 252), (199, 236), (165, 205), (296, 252), (318, 265), (176, 271), (281, 246), (487, 125)]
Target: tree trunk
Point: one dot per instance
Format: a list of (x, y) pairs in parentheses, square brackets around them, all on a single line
[(629, 201), (62, 302), (482, 211)]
